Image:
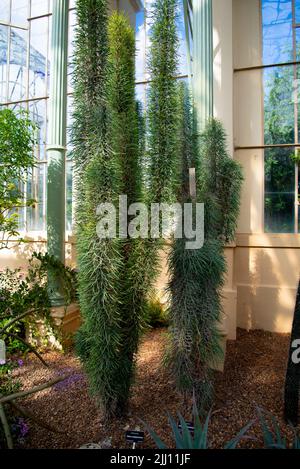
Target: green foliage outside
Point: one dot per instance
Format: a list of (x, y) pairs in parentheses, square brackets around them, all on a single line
[(16, 159), (279, 128), (155, 313)]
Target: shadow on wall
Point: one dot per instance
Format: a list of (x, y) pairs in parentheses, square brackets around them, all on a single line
[(267, 300), (18, 254)]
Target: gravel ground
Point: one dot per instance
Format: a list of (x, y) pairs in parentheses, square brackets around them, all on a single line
[(254, 376)]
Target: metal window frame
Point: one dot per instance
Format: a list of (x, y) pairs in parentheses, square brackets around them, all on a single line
[(26, 102)]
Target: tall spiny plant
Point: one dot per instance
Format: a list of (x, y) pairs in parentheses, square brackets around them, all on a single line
[(221, 178), (162, 119), (162, 102), (125, 133), (197, 276), (97, 180)]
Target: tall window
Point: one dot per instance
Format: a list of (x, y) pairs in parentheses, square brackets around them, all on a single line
[(281, 55), (25, 27)]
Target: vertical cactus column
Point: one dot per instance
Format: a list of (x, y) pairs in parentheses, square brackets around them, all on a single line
[(203, 60), (56, 148)]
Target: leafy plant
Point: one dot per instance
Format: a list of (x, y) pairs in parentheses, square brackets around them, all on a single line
[(16, 159), (161, 123), (25, 298), (155, 313)]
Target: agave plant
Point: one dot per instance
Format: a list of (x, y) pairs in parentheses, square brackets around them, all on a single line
[(272, 435), (196, 437), (186, 437)]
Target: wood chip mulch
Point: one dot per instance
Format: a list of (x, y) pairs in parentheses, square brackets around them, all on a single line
[(254, 376)]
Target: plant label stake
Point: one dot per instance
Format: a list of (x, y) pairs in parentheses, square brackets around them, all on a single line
[(189, 425), (134, 437), (292, 383), (2, 352)]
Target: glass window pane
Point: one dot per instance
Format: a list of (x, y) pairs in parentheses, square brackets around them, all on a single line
[(40, 215), (36, 190), (277, 26), (297, 11), (297, 44), (279, 105), (279, 190), (20, 12), (38, 57), (30, 194), (4, 10), (3, 62), (18, 64), (39, 7), (37, 110), (140, 62), (141, 94), (182, 55)]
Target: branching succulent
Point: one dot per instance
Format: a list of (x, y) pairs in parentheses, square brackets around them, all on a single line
[(112, 286), (197, 276), (125, 134), (162, 115), (97, 181), (161, 122), (221, 181)]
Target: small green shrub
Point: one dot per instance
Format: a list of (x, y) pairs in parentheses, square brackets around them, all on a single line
[(25, 299), (16, 159), (155, 314)]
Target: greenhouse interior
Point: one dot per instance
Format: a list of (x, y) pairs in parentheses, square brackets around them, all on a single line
[(149, 224)]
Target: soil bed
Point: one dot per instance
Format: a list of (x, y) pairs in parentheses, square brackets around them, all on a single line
[(254, 376)]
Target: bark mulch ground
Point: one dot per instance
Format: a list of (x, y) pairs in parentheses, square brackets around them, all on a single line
[(254, 376)]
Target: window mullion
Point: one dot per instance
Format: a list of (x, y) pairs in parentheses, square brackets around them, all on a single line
[(296, 114)]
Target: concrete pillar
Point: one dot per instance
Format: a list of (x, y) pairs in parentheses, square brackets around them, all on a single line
[(56, 148), (203, 60)]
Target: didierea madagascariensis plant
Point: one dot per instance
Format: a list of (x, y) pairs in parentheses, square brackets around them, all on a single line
[(197, 276)]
